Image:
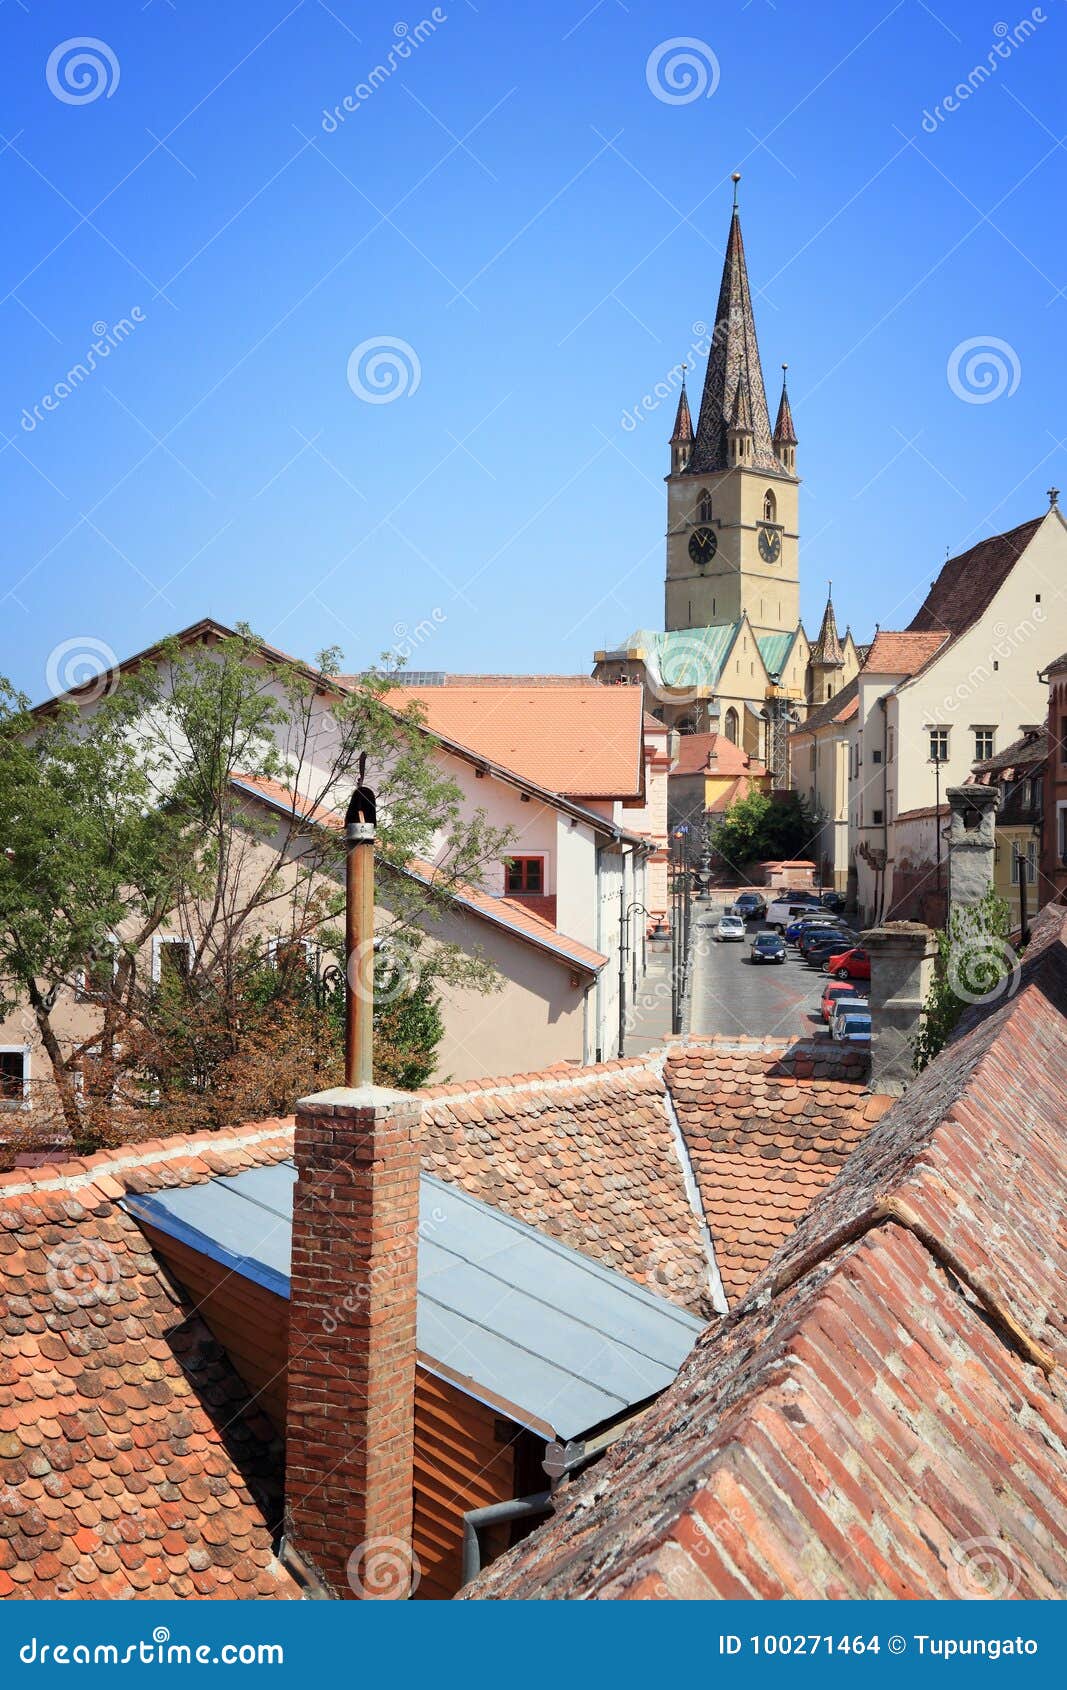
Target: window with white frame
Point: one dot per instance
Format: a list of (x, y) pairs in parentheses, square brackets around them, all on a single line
[(96, 978), (938, 745), (286, 952), (983, 743), (14, 1076), (172, 958)]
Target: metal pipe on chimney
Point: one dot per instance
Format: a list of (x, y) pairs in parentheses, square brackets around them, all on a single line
[(360, 820)]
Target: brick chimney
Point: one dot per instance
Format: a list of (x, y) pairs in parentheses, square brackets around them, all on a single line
[(352, 1305), (902, 957)]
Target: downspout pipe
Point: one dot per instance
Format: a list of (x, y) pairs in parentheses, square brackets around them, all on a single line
[(498, 1513)]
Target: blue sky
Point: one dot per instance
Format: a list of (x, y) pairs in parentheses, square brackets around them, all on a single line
[(541, 230)]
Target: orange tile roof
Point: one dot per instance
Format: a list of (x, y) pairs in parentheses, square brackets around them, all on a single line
[(883, 1415), (131, 1463), (767, 1128), (729, 759), (903, 653), (582, 741)]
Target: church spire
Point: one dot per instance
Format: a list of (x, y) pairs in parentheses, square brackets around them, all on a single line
[(733, 363), (827, 651), (785, 435), (682, 438)]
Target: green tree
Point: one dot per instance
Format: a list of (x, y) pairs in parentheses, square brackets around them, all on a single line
[(975, 965), (761, 828), (142, 815)]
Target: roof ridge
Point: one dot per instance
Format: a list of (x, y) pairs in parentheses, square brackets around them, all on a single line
[(80, 1171)]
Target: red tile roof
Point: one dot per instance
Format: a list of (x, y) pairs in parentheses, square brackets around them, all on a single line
[(841, 708), (883, 1416), (131, 1463), (967, 584), (903, 653), (729, 759), (583, 741)]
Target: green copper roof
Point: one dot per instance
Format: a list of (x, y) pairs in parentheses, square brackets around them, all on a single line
[(686, 659), (774, 650)]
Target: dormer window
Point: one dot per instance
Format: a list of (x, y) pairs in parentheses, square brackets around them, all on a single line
[(770, 507)]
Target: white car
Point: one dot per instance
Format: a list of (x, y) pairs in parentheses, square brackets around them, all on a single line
[(730, 927)]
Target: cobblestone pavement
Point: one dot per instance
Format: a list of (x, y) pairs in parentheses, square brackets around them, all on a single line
[(731, 994)]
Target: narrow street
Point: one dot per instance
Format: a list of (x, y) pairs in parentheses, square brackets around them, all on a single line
[(731, 994)]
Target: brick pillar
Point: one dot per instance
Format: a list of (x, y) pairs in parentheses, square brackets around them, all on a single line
[(972, 843), (350, 1418), (902, 968)]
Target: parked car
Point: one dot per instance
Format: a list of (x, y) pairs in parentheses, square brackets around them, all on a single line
[(845, 1007), (853, 1029), (834, 901), (767, 947), (850, 965), (751, 905), (804, 923), (833, 937), (730, 927), (785, 910), (834, 992), (820, 949)]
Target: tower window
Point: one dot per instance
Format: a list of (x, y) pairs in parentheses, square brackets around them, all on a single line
[(770, 507), (731, 725), (704, 507)]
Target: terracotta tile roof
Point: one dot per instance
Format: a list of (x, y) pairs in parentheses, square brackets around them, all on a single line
[(841, 708), (885, 1414), (1023, 753), (526, 921), (129, 1454), (583, 741), (903, 653), (586, 1155), (968, 583), (729, 759), (767, 1128)]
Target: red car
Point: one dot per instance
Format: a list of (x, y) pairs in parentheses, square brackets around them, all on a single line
[(832, 992), (850, 965)]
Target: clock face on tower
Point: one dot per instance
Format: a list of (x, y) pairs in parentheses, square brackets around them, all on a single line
[(770, 545), (703, 544)]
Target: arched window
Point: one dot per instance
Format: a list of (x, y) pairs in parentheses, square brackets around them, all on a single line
[(770, 507), (704, 507), (731, 725)]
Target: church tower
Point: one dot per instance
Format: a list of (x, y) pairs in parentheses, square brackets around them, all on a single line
[(732, 493)]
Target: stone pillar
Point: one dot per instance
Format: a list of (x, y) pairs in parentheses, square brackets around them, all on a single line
[(352, 1309), (902, 957), (971, 843)]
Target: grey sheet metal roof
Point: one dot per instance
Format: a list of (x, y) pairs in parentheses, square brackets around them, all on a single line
[(513, 1317)]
